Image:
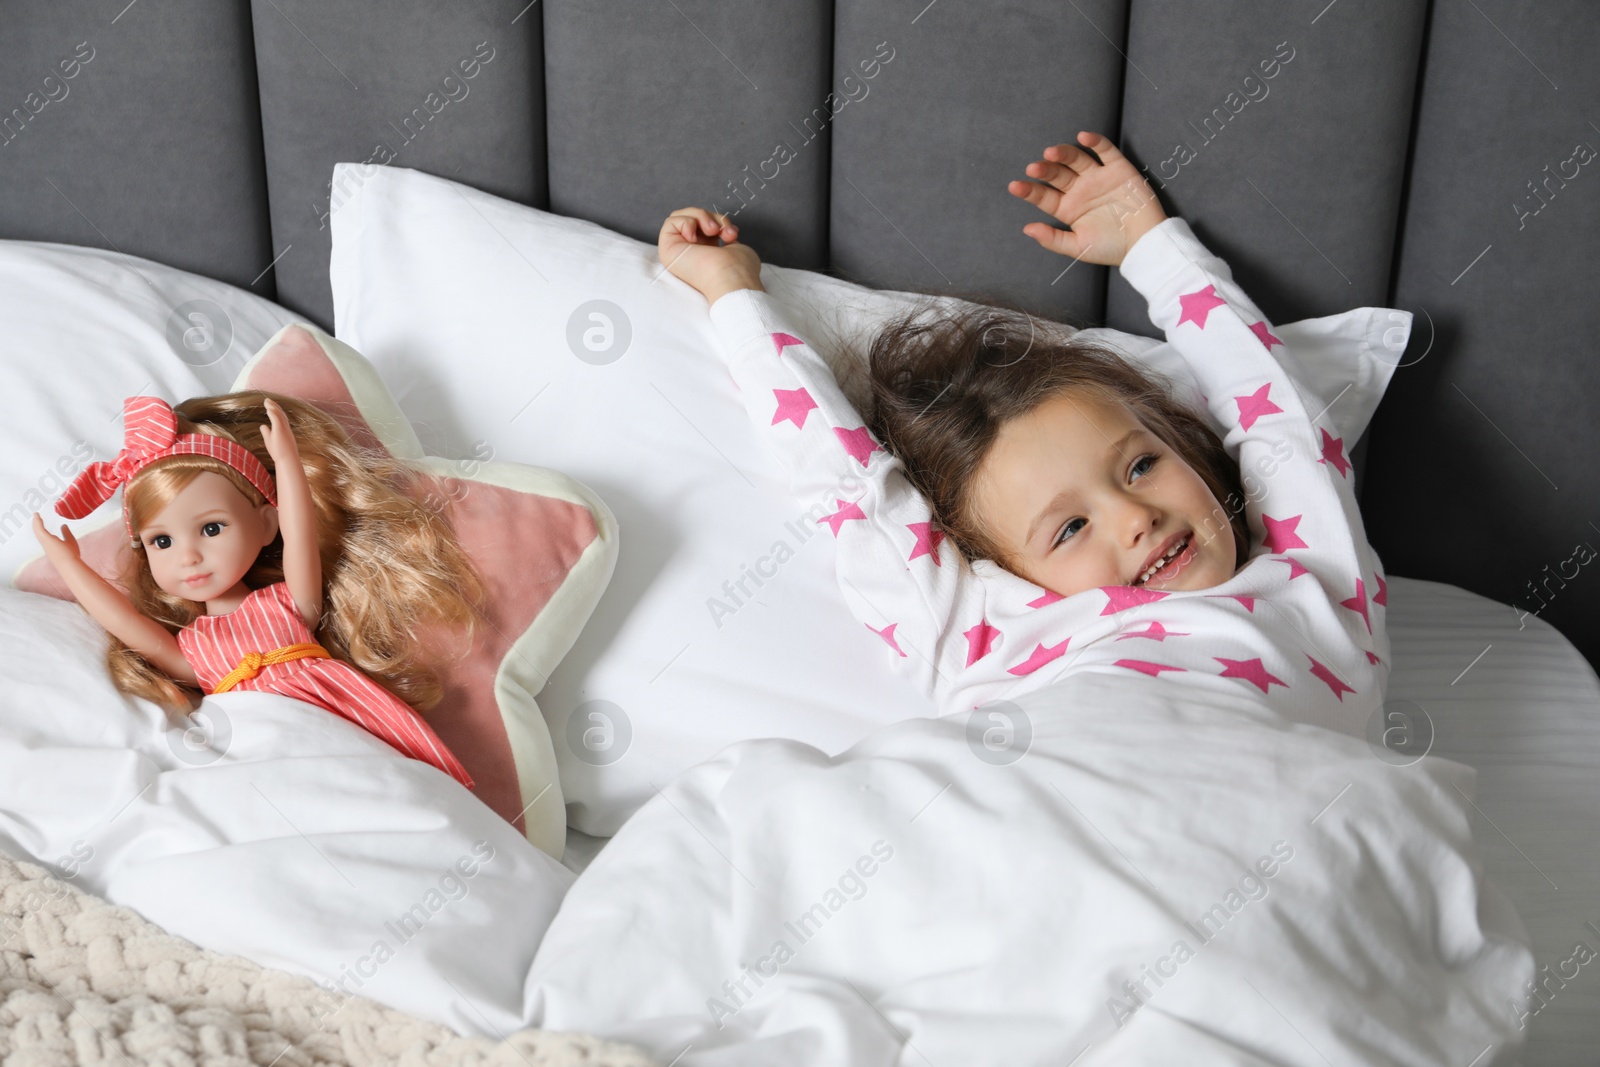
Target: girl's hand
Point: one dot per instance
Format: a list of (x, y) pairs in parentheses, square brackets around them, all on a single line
[(59, 550), (703, 249), (1108, 204), (278, 436)]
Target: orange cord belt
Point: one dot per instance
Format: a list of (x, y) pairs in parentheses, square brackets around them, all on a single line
[(253, 662)]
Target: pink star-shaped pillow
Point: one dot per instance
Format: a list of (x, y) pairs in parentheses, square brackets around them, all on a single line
[(543, 543)]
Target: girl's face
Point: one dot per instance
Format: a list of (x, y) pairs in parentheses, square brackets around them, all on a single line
[(202, 543), (1081, 495)]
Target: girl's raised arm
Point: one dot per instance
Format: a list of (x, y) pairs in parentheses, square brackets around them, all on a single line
[(1300, 495), (110, 607), (961, 634), (1299, 501), (899, 576), (297, 517)]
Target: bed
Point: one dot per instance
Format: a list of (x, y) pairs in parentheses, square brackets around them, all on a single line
[(600, 117)]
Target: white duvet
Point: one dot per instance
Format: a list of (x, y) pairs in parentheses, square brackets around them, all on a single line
[(1154, 879), (1160, 878)]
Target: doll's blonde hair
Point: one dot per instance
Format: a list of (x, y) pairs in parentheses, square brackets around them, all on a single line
[(390, 561)]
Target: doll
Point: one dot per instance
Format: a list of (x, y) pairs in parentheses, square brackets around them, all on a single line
[(233, 528)]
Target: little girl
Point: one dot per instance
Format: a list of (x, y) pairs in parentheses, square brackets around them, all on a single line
[(231, 533), (1102, 520)]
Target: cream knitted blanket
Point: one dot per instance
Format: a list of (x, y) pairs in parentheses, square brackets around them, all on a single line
[(83, 982)]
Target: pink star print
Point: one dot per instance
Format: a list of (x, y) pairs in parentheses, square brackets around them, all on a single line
[(1381, 598), (782, 340), (1251, 670), (1045, 600), (1249, 602), (1042, 654), (1338, 687), (1123, 597), (980, 639), (928, 538), (1333, 452), (1145, 666), (1372, 657), (847, 510), (1196, 306), (887, 633), (794, 405), (1295, 569), (1280, 533), (1255, 405), (858, 443), (1358, 603), (1265, 335), (1155, 632)]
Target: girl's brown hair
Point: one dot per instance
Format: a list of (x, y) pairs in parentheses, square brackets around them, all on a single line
[(944, 379), (390, 561)]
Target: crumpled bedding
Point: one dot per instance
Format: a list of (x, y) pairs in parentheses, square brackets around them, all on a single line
[(1161, 876)]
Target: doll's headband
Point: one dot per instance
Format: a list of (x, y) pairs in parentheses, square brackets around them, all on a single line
[(150, 432)]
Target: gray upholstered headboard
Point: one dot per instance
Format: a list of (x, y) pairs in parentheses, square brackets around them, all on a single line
[(1437, 157)]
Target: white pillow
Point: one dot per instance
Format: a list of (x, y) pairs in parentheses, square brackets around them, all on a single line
[(579, 352), (84, 329)]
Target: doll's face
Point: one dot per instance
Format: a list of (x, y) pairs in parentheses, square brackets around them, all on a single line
[(202, 543)]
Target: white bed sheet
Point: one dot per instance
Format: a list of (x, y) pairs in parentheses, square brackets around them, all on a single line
[(1513, 698)]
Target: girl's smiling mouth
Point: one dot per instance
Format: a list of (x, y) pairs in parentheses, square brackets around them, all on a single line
[(1172, 557)]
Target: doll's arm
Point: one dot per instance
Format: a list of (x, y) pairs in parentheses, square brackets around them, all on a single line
[(297, 517), (111, 608)]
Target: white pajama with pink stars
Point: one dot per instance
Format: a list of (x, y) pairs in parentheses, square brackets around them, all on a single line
[(1299, 628)]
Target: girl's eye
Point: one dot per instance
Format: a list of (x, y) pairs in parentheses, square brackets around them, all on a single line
[(1068, 530), (211, 529), (161, 541), (1141, 467)]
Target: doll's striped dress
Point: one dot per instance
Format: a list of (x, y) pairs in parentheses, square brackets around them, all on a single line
[(268, 619)]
